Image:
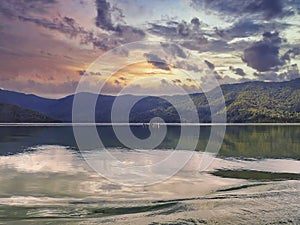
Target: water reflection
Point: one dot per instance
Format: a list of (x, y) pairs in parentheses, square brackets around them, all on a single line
[(239, 141), (49, 182)]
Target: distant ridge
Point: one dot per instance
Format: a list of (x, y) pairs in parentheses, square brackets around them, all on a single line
[(249, 102), (15, 114)]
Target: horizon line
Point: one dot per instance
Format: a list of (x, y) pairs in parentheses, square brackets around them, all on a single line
[(146, 95), (141, 124)]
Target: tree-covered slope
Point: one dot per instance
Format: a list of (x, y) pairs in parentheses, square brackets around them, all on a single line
[(263, 102), (245, 102), (15, 114)]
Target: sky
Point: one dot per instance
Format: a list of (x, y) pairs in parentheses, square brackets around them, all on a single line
[(48, 46)]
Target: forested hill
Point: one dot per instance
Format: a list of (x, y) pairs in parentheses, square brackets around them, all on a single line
[(263, 102), (248, 102), (15, 114)]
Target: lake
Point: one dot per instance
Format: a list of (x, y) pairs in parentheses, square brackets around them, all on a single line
[(254, 178)]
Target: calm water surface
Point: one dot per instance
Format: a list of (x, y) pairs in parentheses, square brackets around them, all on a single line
[(255, 177)]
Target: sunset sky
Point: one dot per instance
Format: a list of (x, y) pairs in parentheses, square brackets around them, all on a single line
[(47, 46)]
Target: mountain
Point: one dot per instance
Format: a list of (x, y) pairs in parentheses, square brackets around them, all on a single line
[(245, 102), (15, 114)]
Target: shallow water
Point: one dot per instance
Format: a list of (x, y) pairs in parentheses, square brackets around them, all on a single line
[(44, 179)]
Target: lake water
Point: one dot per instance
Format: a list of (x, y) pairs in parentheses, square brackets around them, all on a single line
[(254, 179)]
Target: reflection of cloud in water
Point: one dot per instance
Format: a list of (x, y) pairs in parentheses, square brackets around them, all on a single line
[(60, 159), (47, 158), (55, 175)]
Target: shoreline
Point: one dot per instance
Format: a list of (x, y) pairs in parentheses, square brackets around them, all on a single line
[(142, 124)]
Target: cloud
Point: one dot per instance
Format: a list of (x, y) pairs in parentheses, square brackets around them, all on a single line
[(168, 31), (202, 44), (177, 30), (237, 71), (45, 88), (129, 33), (176, 81), (210, 65), (187, 66), (65, 25), (291, 73), (156, 61), (14, 8), (87, 73), (291, 54), (164, 81), (269, 8), (190, 35), (240, 72), (244, 28), (171, 87), (121, 33), (264, 55), (210, 84), (103, 19), (266, 9), (196, 23), (174, 50), (183, 29)]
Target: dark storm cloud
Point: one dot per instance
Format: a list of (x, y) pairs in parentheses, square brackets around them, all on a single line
[(264, 55), (210, 65), (231, 8), (103, 19), (120, 33), (237, 71), (156, 61)]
